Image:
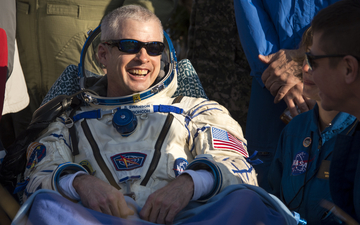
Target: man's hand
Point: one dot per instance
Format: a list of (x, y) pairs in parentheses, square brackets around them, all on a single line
[(164, 204), (101, 196), (295, 98), (279, 78)]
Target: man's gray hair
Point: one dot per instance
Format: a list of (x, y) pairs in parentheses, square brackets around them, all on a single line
[(110, 25)]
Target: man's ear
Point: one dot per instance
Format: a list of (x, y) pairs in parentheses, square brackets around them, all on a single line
[(352, 69), (103, 54)]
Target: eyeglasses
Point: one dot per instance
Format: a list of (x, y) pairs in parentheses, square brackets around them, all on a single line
[(131, 46), (310, 58)]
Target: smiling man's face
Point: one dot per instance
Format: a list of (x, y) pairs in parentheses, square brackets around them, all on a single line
[(132, 73), (328, 78)]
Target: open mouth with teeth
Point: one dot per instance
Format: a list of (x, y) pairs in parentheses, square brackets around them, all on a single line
[(138, 72)]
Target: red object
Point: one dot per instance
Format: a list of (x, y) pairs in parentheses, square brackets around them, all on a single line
[(3, 66)]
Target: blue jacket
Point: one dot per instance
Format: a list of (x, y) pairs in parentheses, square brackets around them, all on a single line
[(300, 154), (266, 26)]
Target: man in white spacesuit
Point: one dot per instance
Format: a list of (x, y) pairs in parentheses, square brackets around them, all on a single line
[(137, 141)]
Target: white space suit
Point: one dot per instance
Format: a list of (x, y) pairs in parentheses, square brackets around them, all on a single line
[(169, 137), (194, 134)]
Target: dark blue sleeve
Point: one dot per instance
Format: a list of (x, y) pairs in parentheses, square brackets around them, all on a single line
[(257, 33)]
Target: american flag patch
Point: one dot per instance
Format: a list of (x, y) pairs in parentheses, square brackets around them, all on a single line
[(221, 139)]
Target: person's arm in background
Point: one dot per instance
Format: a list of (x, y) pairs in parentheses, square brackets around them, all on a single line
[(257, 34), (276, 70)]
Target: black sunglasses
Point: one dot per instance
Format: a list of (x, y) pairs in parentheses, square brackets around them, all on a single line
[(131, 46), (310, 58)]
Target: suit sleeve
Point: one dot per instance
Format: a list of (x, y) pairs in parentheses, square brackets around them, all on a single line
[(218, 146), (48, 158), (257, 33)]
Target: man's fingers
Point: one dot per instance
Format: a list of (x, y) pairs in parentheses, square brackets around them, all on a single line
[(271, 82), (130, 212), (106, 209), (145, 211), (266, 58), (154, 213), (123, 208), (102, 203), (282, 92), (124, 212), (162, 205), (268, 71), (171, 216), (94, 207), (278, 72), (100, 196), (302, 106), (167, 214), (154, 210), (296, 106), (292, 108), (115, 210), (274, 88), (275, 72), (279, 96), (162, 216), (294, 97), (294, 111), (96, 203)]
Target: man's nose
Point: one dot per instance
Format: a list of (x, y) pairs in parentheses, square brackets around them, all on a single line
[(142, 55)]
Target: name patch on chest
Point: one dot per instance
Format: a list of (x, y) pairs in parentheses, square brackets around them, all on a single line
[(128, 161), (222, 139)]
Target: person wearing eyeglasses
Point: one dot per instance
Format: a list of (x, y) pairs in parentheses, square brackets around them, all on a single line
[(49, 36), (334, 59), (270, 32), (299, 173), (140, 151)]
